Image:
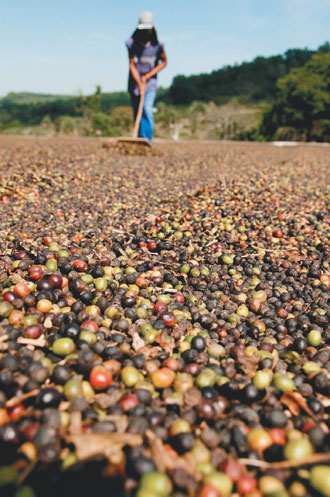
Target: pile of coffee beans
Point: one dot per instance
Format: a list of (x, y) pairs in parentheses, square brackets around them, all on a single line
[(164, 320)]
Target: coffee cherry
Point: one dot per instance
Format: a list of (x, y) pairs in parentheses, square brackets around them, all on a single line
[(100, 378)]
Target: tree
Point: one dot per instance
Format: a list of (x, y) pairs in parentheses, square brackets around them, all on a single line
[(250, 81), (183, 90), (303, 101), (91, 104), (325, 48), (101, 124)]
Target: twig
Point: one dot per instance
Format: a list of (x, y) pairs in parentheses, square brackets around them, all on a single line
[(14, 401), (314, 459), (38, 342), (262, 248), (123, 253), (43, 178), (25, 473), (171, 290), (35, 176), (211, 243), (223, 180), (170, 263), (8, 188), (75, 423), (120, 231)]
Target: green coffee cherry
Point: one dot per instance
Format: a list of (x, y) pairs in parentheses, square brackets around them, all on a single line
[(242, 311), (314, 338), (320, 479), (283, 383), (262, 379), (185, 268), (227, 259), (221, 482), (150, 336), (63, 346), (206, 378), (216, 350), (141, 313), (51, 265), (88, 337), (311, 368), (73, 388), (101, 284), (130, 376), (156, 483), (269, 485), (5, 309), (298, 449)]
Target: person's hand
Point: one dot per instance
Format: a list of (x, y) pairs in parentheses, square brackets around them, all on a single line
[(144, 78)]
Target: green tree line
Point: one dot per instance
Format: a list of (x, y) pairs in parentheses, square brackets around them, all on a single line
[(283, 97), (248, 82)]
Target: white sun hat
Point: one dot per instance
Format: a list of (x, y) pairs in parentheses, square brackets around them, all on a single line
[(146, 20)]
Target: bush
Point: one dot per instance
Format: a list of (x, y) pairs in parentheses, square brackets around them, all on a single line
[(122, 117), (118, 122), (67, 125), (321, 130), (77, 126), (13, 128), (287, 134), (101, 124)]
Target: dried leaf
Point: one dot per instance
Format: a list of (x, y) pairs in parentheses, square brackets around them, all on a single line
[(165, 345), (17, 278), (119, 420), (291, 404), (185, 480), (168, 461), (177, 401), (291, 398), (151, 218), (138, 342), (249, 365), (48, 322), (102, 400), (106, 400), (109, 445), (150, 352)]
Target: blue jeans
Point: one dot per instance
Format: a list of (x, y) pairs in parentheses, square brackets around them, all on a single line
[(147, 120)]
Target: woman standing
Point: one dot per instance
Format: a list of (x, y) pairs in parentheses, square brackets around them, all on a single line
[(146, 58)]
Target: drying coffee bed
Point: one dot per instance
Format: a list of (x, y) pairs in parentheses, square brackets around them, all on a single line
[(164, 320)]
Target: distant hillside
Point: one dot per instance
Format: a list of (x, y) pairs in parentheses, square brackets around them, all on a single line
[(247, 82), (30, 108), (32, 98)]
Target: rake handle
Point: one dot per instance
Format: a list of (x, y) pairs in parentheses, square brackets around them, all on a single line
[(138, 116)]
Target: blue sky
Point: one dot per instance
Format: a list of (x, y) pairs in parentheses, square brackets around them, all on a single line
[(70, 46)]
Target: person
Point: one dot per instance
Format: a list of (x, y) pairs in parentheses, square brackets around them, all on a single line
[(146, 58)]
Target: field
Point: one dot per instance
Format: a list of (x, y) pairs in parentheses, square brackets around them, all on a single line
[(164, 319)]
